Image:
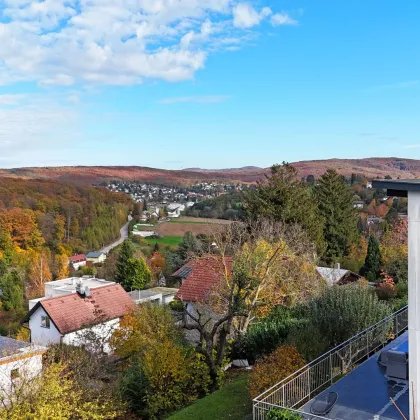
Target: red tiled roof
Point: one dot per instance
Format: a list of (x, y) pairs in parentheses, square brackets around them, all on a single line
[(78, 258), (205, 273), (72, 312)]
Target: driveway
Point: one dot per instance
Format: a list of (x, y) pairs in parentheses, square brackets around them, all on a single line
[(123, 237)]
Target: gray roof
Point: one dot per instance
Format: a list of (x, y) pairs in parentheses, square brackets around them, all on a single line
[(94, 254), (332, 275), (10, 346)]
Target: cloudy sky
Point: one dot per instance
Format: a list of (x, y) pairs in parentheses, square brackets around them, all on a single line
[(210, 83)]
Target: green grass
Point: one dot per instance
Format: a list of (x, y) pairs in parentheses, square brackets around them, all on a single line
[(167, 240), (232, 402)]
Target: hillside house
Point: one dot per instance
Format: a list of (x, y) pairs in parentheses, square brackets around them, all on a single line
[(18, 361), (337, 276), (358, 204), (77, 261), (198, 278), (76, 318), (175, 210), (96, 257)]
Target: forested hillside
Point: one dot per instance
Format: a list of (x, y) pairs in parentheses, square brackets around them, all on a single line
[(42, 223), (53, 214)]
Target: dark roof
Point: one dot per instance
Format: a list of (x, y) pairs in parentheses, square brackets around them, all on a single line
[(183, 272), (72, 312), (94, 254), (10, 346), (397, 187), (206, 272)]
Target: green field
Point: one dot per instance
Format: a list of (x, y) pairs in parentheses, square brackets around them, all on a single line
[(167, 240), (231, 402)]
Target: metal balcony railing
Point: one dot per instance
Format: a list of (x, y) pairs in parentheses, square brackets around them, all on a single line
[(303, 385)]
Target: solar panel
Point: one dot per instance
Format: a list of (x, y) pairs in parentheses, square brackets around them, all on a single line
[(184, 272)]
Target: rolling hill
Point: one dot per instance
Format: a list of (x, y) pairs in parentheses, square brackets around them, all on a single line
[(370, 167)]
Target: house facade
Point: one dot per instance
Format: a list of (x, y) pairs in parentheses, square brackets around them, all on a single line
[(18, 360), (85, 318), (77, 261), (96, 257)]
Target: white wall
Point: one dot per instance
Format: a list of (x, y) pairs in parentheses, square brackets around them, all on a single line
[(93, 337), (29, 368), (42, 336)]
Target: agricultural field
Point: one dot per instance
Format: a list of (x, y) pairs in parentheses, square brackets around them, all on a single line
[(179, 227)]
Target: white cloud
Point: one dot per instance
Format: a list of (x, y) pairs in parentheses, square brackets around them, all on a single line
[(282, 19), (205, 99), (66, 42), (245, 16)]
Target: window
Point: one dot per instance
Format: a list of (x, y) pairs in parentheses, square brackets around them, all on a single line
[(14, 374), (45, 322)]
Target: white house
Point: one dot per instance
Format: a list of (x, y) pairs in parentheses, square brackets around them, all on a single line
[(144, 233), (68, 286), (175, 209), (77, 261), (78, 317), (18, 361), (96, 257)]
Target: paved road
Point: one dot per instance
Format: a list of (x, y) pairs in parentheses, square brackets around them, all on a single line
[(123, 236)]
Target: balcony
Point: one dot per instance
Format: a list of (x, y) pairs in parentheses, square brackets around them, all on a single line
[(352, 371)]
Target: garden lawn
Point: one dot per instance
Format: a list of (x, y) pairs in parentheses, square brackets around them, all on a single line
[(232, 402), (167, 240)]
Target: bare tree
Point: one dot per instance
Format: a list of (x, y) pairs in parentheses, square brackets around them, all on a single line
[(259, 265)]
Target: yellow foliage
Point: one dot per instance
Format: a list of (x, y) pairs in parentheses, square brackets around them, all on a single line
[(139, 329), (55, 396), (23, 334), (62, 263), (272, 369)]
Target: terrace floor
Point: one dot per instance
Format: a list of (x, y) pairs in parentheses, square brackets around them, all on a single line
[(364, 393)]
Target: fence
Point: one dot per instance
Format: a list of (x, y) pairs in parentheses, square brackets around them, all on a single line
[(307, 382)]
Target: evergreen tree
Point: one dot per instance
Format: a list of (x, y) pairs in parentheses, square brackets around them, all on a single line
[(138, 274), (284, 198), (372, 266), (335, 203), (122, 265), (12, 292)]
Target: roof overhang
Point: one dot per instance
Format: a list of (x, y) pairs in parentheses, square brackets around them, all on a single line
[(397, 187)]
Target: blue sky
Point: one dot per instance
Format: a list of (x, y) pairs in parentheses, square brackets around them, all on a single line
[(207, 83)]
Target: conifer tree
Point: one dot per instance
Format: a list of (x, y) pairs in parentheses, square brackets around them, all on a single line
[(335, 204), (122, 266), (283, 197), (372, 266)]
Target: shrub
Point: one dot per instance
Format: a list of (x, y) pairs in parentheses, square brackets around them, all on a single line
[(343, 311), (272, 369), (177, 305), (281, 414)]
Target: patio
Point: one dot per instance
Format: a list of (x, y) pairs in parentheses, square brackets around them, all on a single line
[(365, 392)]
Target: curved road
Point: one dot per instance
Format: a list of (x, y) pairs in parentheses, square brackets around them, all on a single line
[(123, 237)]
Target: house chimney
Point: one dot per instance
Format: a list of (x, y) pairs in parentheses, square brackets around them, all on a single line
[(337, 266)]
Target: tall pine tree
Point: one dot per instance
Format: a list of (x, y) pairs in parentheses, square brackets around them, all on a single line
[(123, 264), (285, 198), (372, 266), (335, 204)]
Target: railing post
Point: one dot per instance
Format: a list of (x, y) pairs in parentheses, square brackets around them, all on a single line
[(331, 369)]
